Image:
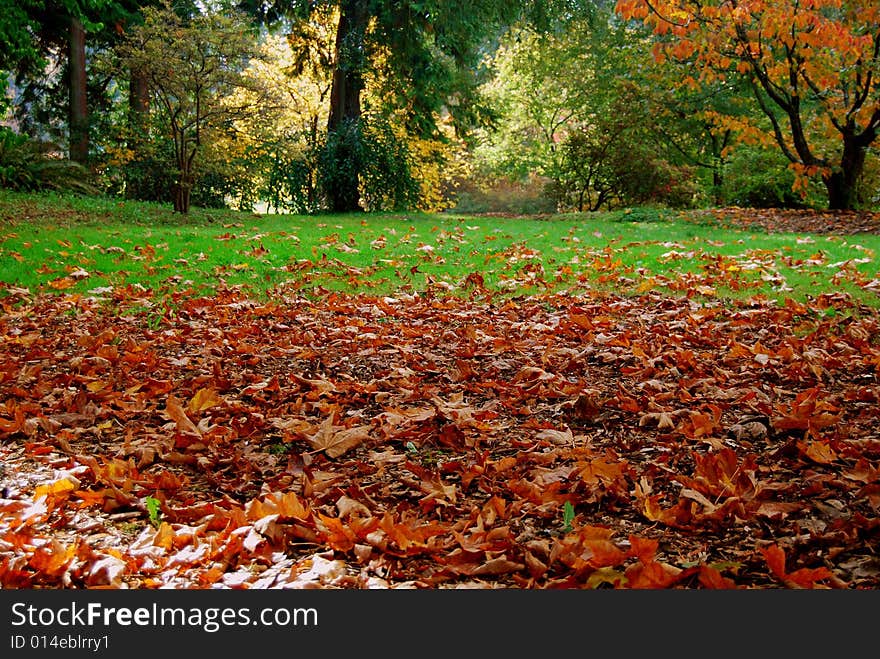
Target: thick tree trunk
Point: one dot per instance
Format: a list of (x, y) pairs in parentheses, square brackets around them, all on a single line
[(138, 116), (138, 103), (78, 116), (345, 107), (843, 183)]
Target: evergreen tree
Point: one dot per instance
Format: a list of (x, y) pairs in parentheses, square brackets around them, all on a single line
[(426, 54)]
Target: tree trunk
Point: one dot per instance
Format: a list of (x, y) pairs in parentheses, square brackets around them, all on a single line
[(718, 164), (138, 114), (345, 108), (78, 116), (182, 188), (842, 183), (138, 103), (183, 193)]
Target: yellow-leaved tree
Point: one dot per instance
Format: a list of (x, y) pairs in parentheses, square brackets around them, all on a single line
[(281, 143), (192, 66)]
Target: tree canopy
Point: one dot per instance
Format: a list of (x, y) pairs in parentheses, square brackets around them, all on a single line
[(423, 56), (191, 66), (812, 67)]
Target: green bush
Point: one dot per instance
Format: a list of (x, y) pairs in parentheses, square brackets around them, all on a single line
[(757, 178), (27, 165), (152, 174), (369, 150), (289, 178), (616, 167)]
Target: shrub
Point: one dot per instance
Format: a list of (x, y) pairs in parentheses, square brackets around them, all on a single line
[(29, 165), (616, 167), (369, 150), (289, 178), (756, 178)]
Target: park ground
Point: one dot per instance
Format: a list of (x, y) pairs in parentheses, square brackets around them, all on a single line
[(655, 406)]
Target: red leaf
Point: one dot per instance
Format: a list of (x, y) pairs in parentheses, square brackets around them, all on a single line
[(775, 558), (713, 579), (807, 577), (643, 548)]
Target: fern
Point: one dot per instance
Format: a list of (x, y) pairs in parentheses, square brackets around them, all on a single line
[(28, 165)]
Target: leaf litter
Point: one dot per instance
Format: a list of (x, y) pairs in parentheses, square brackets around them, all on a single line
[(431, 441)]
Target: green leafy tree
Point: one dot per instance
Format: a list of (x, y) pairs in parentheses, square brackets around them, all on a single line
[(51, 45), (18, 51), (423, 58), (542, 87), (580, 102), (33, 29), (192, 66), (281, 144)]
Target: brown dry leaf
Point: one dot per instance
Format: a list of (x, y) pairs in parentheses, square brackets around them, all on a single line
[(348, 507), (176, 413), (336, 440), (496, 566), (558, 437), (671, 419), (778, 509), (587, 406), (662, 420), (751, 431), (700, 498), (818, 451), (436, 490)]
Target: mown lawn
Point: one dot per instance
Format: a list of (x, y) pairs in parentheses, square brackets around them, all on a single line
[(87, 245)]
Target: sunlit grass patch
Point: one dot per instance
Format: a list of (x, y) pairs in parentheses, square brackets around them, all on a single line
[(74, 244)]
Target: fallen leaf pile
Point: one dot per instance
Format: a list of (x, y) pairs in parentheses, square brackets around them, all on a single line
[(426, 441), (792, 220)]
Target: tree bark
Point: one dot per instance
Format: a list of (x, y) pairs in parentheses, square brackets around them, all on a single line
[(345, 107), (138, 103), (183, 190), (842, 184), (138, 114), (78, 115), (183, 195)]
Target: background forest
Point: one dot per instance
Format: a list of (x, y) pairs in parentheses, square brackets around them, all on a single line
[(516, 107)]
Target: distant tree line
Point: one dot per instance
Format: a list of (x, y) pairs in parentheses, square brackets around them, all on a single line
[(485, 105)]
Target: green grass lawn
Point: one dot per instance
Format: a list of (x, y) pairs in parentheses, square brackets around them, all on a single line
[(86, 245)]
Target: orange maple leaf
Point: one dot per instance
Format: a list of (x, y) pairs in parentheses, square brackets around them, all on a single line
[(802, 578), (642, 548), (713, 579), (53, 560), (338, 535), (15, 424), (176, 413), (652, 575)]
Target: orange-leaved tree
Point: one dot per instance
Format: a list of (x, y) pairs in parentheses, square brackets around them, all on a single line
[(814, 68)]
